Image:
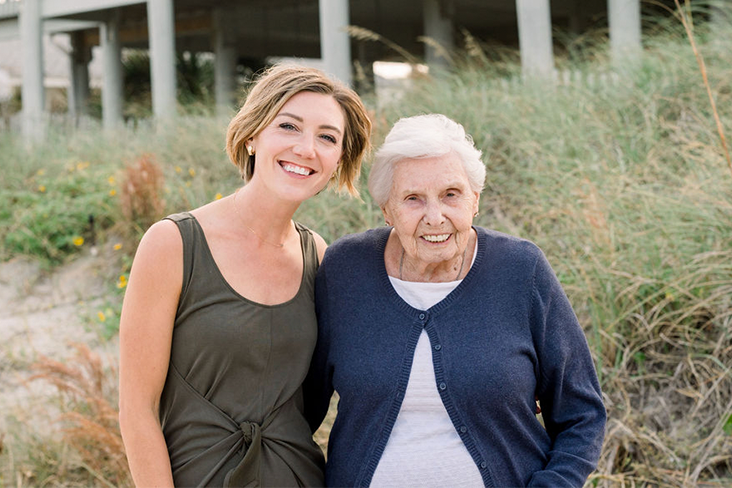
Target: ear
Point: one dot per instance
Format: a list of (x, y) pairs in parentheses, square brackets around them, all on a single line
[(387, 217), (476, 206)]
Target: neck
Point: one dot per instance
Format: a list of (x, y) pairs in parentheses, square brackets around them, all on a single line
[(451, 270), (267, 218)]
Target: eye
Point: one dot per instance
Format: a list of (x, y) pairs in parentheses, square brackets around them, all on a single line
[(329, 138), (287, 126)]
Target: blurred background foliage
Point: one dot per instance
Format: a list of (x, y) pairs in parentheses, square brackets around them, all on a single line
[(615, 170)]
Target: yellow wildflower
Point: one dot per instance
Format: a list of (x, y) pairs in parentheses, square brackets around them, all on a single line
[(122, 281), (101, 316), (112, 192), (117, 246), (178, 169), (192, 172), (42, 188), (78, 241), (111, 180), (218, 196), (41, 172)]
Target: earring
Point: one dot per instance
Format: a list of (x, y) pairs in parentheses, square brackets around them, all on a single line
[(250, 150), (477, 212)]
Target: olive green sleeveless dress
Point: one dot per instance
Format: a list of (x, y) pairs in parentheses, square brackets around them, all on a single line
[(232, 408)]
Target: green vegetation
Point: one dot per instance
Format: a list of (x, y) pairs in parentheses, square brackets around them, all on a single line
[(620, 178)]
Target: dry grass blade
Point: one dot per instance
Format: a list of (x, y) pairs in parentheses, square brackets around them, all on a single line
[(89, 418), (439, 49), (688, 27), (363, 34)]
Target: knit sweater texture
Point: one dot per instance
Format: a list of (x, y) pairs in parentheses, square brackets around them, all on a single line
[(506, 334)]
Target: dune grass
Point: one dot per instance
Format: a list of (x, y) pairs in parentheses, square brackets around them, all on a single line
[(622, 180)]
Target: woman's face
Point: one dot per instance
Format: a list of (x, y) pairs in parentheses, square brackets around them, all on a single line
[(297, 153), (431, 207)]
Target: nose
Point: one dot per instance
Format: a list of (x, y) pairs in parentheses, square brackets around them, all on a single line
[(433, 214), (305, 147)]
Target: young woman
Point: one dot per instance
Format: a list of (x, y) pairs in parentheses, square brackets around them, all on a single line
[(218, 323)]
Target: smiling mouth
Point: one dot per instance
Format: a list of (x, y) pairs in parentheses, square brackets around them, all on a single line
[(436, 238), (295, 169)]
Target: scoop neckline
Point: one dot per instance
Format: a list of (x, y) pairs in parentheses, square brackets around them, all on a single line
[(226, 283)]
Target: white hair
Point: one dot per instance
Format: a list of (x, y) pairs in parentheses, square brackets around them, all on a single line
[(421, 137)]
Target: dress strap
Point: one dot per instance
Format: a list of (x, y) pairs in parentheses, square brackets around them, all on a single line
[(191, 234)]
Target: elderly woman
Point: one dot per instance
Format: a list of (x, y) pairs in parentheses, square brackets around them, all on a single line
[(439, 336)]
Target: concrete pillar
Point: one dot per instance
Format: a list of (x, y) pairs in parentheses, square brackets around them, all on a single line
[(112, 94), (78, 94), (535, 37), (32, 91), (225, 59), (335, 45), (161, 29), (625, 28), (438, 27)]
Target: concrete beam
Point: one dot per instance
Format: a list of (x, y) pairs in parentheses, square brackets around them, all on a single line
[(335, 45), (225, 59), (31, 33), (437, 15), (535, 37), (59, 8), (161, 28), (112, 94), (625, 28), (9, 28)]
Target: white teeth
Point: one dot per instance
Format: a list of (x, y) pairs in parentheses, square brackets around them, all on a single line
[(439, 238), (291, 168)]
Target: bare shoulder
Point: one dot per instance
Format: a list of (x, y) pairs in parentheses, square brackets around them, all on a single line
[(320, 244), (159, 255), (162, 240)]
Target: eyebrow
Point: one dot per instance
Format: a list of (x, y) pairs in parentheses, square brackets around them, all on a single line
[(300, 119), (454, 185)]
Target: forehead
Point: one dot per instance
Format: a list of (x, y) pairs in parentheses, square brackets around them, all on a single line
[(315, 107), (446, 170)]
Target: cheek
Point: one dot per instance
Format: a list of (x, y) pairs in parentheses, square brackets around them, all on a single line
[(405, 222)]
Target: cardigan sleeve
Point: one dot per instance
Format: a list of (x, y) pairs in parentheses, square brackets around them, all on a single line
[(568, 389), (318, 385)]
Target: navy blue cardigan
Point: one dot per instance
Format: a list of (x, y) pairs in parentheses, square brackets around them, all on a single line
[(504, 335)]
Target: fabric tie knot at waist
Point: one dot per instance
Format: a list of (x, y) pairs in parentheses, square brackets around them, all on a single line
[(247, 471), (250, 431)]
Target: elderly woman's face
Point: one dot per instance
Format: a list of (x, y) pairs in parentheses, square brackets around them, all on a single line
[(431, 206)]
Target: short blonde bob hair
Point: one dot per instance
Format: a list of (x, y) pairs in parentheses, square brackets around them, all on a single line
[(272, 89), (420, 137)]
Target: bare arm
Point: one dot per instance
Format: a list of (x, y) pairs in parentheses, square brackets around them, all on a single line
[(146, 329)]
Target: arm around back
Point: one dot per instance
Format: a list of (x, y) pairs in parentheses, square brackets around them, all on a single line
[(569, 392), (146, 329)]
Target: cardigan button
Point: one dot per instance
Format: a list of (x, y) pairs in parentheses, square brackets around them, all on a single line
[(438, 347), (463, 429), (483, 465), (443, 386), (422, 316)]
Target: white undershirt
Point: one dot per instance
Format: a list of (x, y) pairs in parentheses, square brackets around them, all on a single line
[(424, 449)]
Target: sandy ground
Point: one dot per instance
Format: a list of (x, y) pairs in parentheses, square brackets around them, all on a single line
[(41, 314)]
